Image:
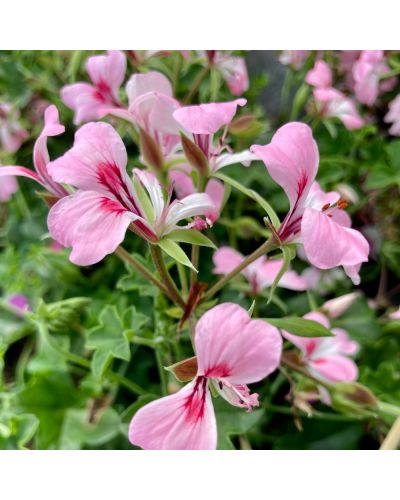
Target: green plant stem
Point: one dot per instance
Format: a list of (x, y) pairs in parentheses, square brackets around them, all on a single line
[(129, 259), (168, 282), (85, 363), (262, 250), (183, 278), (196, 84), (390, 74), (161, 371), (299, 369), (195, 261), (392, 440)]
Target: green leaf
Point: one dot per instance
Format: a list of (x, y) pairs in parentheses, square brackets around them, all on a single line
[(175, 251), (232, 421), (111, 337), (190, 236), (253, 195), (300, 326), (77, 431)]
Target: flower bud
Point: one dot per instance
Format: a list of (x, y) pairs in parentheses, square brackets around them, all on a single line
[(195, 156), (352, 398), (60, 315), (151, 152), (185, 370)]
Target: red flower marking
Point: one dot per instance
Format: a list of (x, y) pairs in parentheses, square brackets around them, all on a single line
[(219, 371), (194, 405)]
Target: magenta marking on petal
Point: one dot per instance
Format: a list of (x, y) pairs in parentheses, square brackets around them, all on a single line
[(195, 403), (112, 206), (219, 371)]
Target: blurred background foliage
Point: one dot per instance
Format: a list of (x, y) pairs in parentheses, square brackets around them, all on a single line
[(73, 378)]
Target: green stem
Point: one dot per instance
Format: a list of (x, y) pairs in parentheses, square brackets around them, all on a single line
[(168, 282), (85, 363), (161, 371), (129, 259), (262, 250), (392, 440), (196, 84), (390, 74), (183, 278)]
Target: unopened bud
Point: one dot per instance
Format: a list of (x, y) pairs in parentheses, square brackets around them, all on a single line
[(151, 151), (185, 370), (195, 156), (49, 198), (352, 398), (60, 315)]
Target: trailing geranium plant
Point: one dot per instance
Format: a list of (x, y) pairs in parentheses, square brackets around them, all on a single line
[(141, 182)]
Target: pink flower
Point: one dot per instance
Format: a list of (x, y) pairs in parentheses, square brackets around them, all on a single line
[(203, 121), (94, 219), (315, 218), (52, 127), (233, 69), (107, 72), (295, 58), (395, 314), (151, 108), (367, 72), (232, 350), (184, 186), (261, 273), (8, 186), (12, 134), (327, 357), (19, 301), (332, 102), (320, 76), (393, 116)]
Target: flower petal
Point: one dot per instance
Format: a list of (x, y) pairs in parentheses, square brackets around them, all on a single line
[(141, 83), (107, 71), (225, 159), (292, 160), (207, 118), (335, 368), (183, 421), (320, 76), (83, 99), (92, 224), (230, 345), (96, 162), (226, 259), (8, 186), (190, 206), (328, 244)]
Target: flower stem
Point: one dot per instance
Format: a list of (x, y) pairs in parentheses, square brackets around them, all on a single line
[(161, 371), (196, 84), (168, 282), (262, 250), (183, 278), (129, 259)]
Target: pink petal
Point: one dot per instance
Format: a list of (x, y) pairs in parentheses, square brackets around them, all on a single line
[(308, 345), (335, 368), (320, 75), (215, 190), (337, 306), (230, 345), (96, 161), (292, 160), (108, 71), (328, 244), (182, 181), (225, 159), (52, 127), (21, 172), (193, 205), (226, 259), (154, 113), (343, 342), (92, 224), (84, 100), (366, 82), (142, 83), (8, 186), (183, 421), (207, 118), (234, 71)]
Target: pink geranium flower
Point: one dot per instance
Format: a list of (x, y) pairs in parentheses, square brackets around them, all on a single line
[(150, 107), (19, 302), (203, 121), (12, 134), (367, 72), (295, 58), (107, 72), (184, 186), (332, 102), (393, 116), (232, 350), (327, 358), (94, 219), (316, 219), (233, 69), (260, 274), (52, 127)]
